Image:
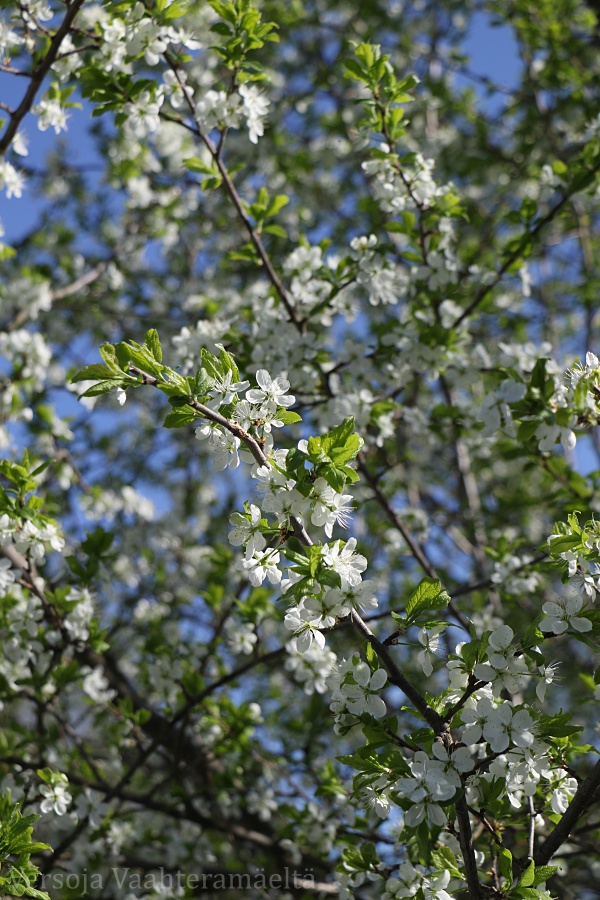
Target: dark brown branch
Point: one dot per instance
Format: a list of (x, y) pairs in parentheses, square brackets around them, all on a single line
[(396, 676), (217, 154), (465, 837), (584, 797), (38, 76), (208, 413), (414, 546), (541, 224)]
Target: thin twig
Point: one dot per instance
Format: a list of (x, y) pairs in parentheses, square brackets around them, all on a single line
[(513, 257)]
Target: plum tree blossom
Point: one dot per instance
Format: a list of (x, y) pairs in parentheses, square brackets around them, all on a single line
[(7, 576), (261, 564), (305, 626), (360, 694), (328, 507), (50, 114), (431, 641), (271, 392), (289, 271), (11, 180), (247, 530), (562, 614), (56, 799), (426, 787), (345, 562), (254, 107), (224, 390), (505, 667), (498, 725)]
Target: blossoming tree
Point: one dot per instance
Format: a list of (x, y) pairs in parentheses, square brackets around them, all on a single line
[(298, 577)]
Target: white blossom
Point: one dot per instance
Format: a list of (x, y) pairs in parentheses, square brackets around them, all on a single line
[(305, 626), (500, 725), (11, 180), (362, 695), (358, 596), (562, 614), (345, 562), (563, 794), (430, 638), (329, 507), (96, 686), (143, 115), (50, 114), (241, 637), (261, 564), (247, 530), (254, 107), (224, 390), (78, 619), (505, 669), (426, 787), (271, 391), (549, 435), (548, 676), (222, 444), (57, 799), (8, 576)]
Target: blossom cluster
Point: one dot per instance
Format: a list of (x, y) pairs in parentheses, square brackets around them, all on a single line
[(431, 781), (380, 325), (572, 403)]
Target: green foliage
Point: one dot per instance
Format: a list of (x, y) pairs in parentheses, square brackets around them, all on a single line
[(17, 873)]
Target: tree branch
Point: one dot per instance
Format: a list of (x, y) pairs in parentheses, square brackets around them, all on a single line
[(584, 797), (465, 837), (38, 76)]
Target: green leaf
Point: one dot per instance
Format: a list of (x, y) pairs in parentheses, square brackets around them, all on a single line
[(558, 545), (287, 416), (297, 558), (444, 859), (109, 355), (103, 387), (228, 362), (180, 417), (97, 542), (505, 863), (222, 29), (202, 383), (370, 654), (427, 595), (349, 474), (527, 878), (211, 365), (557, 726), (95, 372), (543, 873), (276, 230), (142, 358), (356, 71), (538, 375), (195, 164), (338, 446), (152, 342), (276, 204), (333, 477)]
